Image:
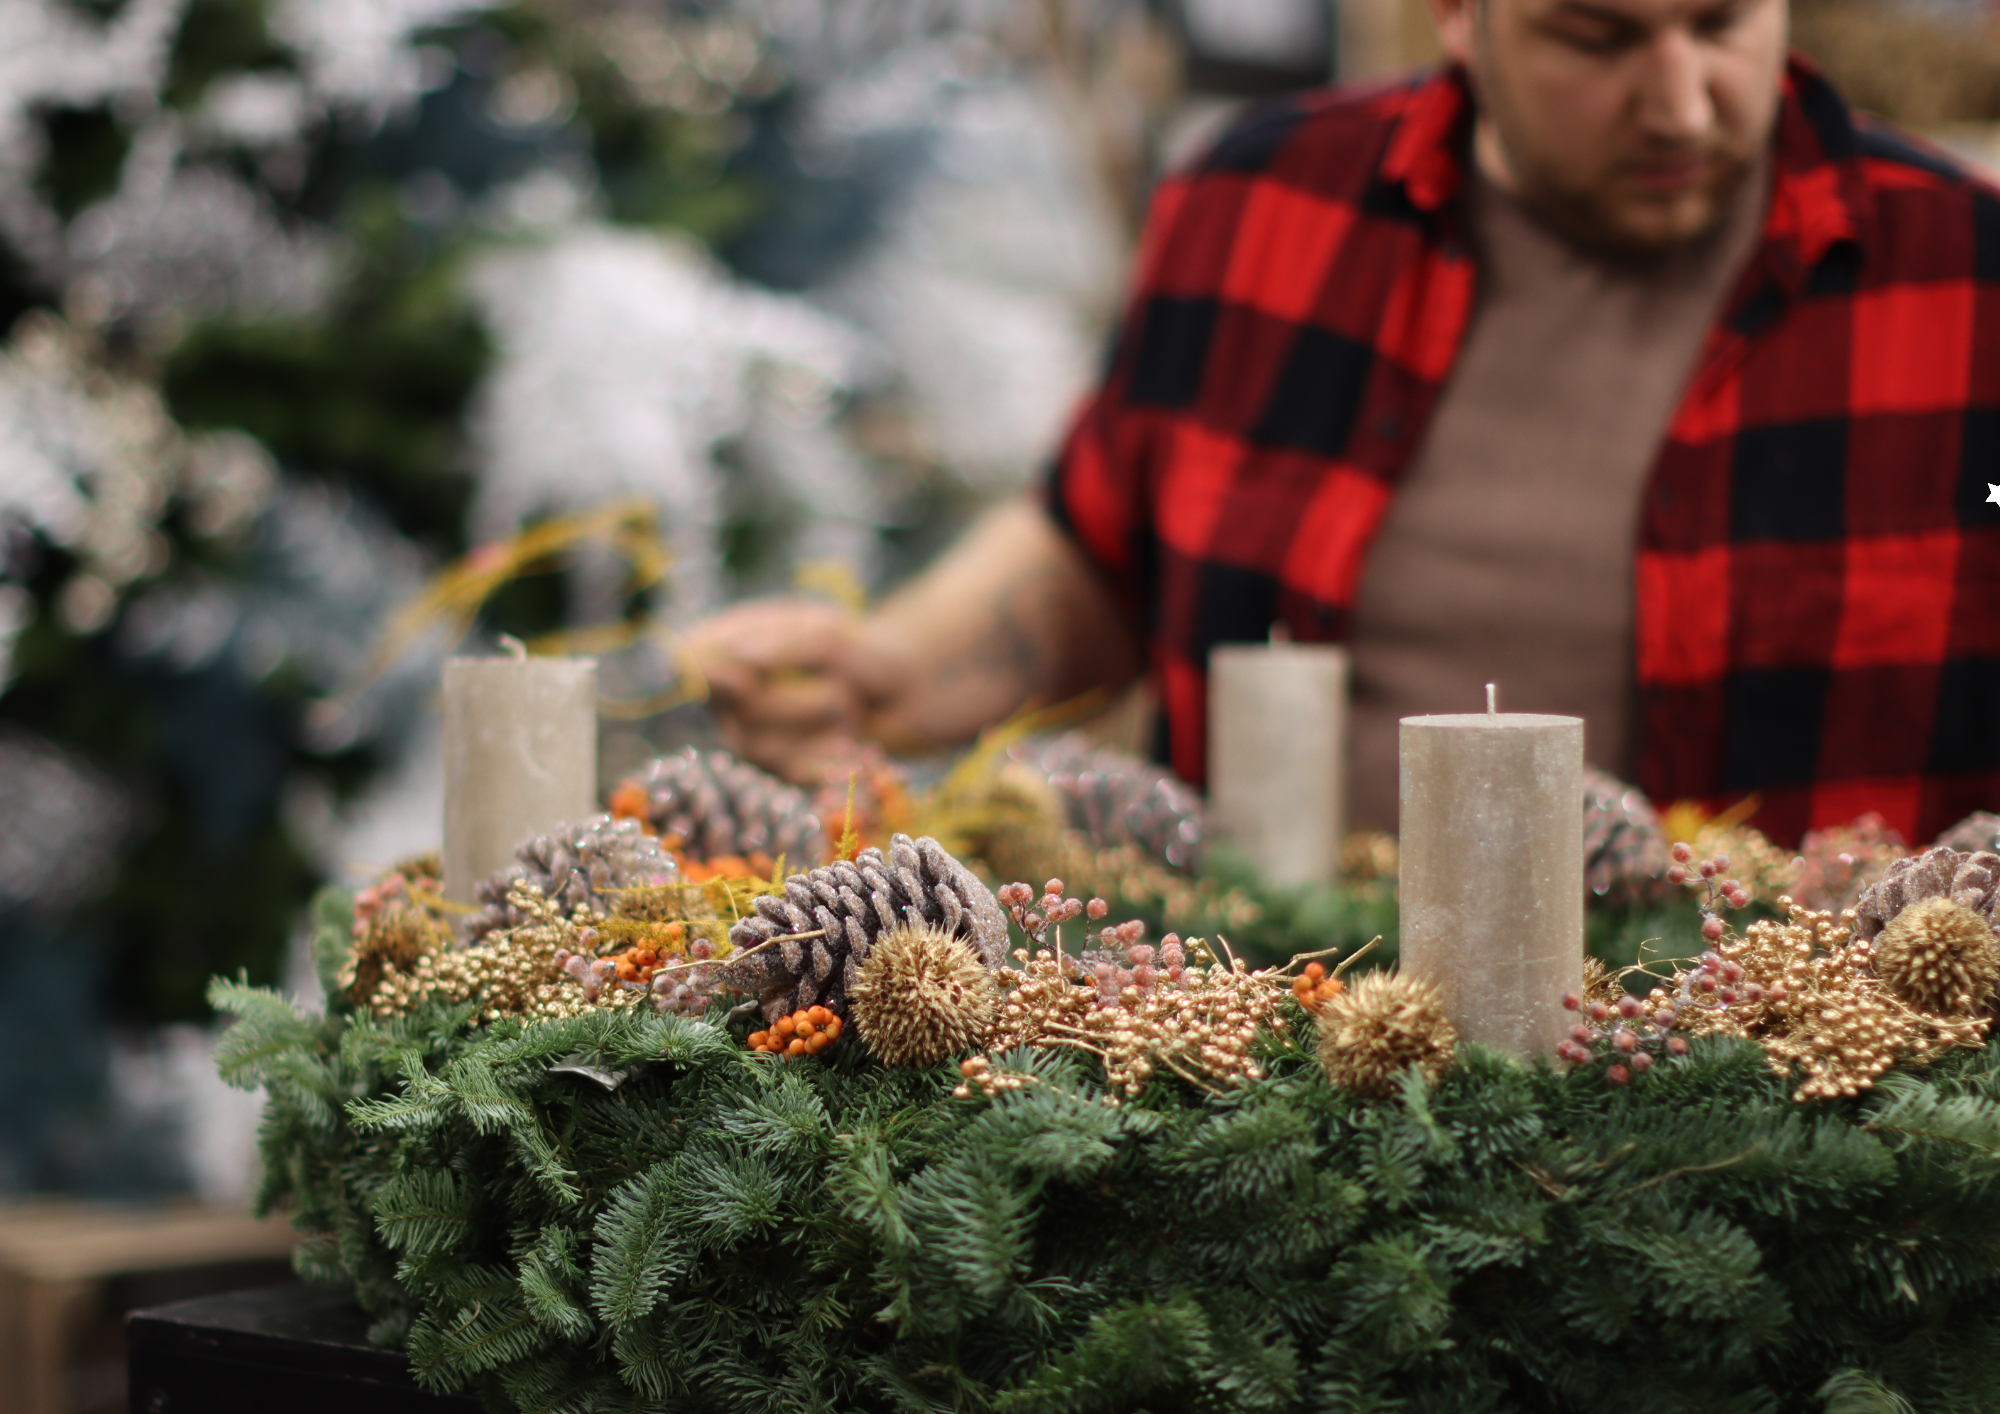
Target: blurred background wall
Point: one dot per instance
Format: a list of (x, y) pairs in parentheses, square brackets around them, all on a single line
[(308, 302)]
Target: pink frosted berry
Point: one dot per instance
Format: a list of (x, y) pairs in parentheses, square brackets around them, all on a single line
[(1097, 908), (1677, 1045), (1712, 928), (1599, 1011), (1677, 875), (1617, 1075), (1572, 1002), (1642, 1063), (1683, 852), (1580, 1035), (1630, 1006), (1625, 1041)]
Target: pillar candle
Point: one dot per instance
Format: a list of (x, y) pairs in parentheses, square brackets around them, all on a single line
[(520, 756), (1277, 755), (1490, 885)]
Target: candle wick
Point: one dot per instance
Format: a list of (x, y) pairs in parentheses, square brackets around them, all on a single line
[(518, 650), (1492, 699)]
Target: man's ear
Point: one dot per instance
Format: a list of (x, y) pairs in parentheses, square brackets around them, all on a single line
[(1454, 20)]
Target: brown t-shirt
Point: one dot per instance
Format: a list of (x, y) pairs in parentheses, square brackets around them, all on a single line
[(1506, 556)]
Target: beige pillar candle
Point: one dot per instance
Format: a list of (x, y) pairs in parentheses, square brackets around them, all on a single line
[(1277, 755), (520, 756), (1490, 883)]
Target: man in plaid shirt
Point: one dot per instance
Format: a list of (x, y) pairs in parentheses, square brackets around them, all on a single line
[(1742, 505)]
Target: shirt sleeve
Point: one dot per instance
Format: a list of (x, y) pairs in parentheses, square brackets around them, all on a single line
[(1099, 487)]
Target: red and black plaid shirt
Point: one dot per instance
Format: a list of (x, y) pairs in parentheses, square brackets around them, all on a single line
[(1818, 571)]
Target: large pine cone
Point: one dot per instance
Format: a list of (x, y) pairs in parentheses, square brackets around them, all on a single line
[(1624, 851), (573, 865), (717, 805), (850, 904), (1115, 798), (1978, 833), (1972, 880)]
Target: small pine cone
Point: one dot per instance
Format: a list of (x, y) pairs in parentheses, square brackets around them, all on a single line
[(849, 904), (573, 865), (923, 996), (1624, 850), (1114, 798), (1972, 880), (1381, 1026), (1977, 833), (1940, 957), (716, 805)]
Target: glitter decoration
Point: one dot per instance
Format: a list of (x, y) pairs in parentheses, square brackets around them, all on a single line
[(1977, 833)]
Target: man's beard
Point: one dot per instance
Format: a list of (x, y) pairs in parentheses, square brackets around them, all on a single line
[(1611, 218)]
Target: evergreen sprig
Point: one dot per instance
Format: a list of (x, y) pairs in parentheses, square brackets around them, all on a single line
[(726, 1232)]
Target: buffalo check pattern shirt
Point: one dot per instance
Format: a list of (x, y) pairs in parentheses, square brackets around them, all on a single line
[(1817, 574)]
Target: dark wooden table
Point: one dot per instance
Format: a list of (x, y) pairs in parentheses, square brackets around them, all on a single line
[(288, 1349)]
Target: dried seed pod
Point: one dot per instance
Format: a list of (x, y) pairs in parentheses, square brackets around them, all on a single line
[(1380, 1027), (1969, 879), (829, 918), (573, 865), (716, 805), (1940, 957), (923, 996)]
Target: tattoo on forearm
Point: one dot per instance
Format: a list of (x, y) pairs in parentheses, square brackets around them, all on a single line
[(1013, 652)]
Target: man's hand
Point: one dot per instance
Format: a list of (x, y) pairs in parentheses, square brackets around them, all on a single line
[(1011, 615), (786, 682)]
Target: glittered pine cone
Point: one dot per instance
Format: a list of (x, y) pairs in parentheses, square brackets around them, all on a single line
[(1624, 850), (1115, 798), (573, 865), (1380, 1027), (1978, 833), (923, 996), (715, 805), (847, 905), (1940, 957), (1972, 880)]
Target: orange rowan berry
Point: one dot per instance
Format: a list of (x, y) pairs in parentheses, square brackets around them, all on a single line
[(796, 1047), (819, 1043), (833, 1027), (786, 1025)]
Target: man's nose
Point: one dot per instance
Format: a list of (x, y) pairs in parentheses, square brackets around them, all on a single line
[(1674, 101)]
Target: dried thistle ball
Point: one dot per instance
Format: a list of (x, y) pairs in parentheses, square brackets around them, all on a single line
[(923, 996), (1940, 957), (1380, 1027)]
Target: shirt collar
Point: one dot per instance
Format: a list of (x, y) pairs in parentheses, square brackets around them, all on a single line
[(1818, 197)]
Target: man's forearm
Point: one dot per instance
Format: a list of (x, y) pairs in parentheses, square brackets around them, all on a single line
[(1011, 616)]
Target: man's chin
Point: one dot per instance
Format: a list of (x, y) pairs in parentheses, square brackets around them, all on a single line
[(1638, 227)]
